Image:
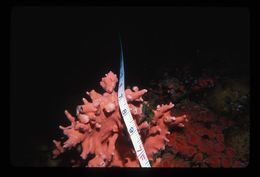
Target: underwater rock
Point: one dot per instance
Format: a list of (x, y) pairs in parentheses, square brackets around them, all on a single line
[(202, 142), (239, 140)]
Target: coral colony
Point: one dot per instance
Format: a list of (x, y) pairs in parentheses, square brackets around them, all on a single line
[(101, 132), (189, 135), (201, 143)]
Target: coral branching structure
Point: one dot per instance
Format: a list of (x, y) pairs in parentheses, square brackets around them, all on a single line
[(100, 131)]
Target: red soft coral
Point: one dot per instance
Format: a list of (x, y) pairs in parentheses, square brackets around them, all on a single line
[(198, 158), (226, 162), (203, 132), (213, 162)]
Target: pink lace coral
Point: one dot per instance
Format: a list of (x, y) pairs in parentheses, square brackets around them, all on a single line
[(100, 129)]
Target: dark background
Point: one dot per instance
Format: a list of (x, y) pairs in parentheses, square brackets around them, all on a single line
[(59, 53)]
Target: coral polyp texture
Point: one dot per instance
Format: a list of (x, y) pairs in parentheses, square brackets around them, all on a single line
[(201, 143), (99, 134)]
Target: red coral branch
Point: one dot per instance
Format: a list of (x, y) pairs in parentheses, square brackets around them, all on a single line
[(100, 129)]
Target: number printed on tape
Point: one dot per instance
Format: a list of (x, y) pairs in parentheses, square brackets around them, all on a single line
[(128, 119)]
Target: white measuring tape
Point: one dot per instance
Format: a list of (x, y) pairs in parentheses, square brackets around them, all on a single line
[(128, 119)]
